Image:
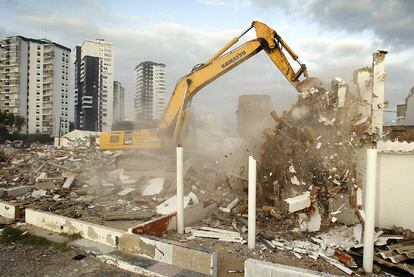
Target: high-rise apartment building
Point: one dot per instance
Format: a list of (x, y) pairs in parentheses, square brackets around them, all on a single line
[(119, 100), (34, 83), (150, 99), (94, 85)]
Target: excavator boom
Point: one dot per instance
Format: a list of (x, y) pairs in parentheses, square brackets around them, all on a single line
[(174, 118)]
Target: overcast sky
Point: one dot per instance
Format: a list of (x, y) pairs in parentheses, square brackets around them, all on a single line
[(332, 37)]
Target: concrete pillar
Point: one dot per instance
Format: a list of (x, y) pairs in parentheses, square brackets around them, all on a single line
[(251, 242), (369, 208), (363, 82), (378, 78), (180, 190)]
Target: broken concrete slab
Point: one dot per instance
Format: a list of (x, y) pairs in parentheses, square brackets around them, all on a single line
[(230, 206), (202, 260), (70, 180), (170, 205), (299, 202), (17, 191), (253, 268), (155, 186), (9, 210)]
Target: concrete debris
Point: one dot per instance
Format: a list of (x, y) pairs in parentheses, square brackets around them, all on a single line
[(126, 191), (310, 222), (70, 180), (294, 180), (336, 264), (41, 176), (313, 149), (214, 233), (339, 238), (230, 206), (38, 193), (170, 205), (155, 186), (299, 202)]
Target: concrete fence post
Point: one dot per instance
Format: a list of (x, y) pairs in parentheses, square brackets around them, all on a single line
[(252, 204), (369, 207), (180, 190)]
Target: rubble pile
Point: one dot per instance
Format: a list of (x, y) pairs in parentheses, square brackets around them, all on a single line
[(309, 156), (23, 167), (84, 182)]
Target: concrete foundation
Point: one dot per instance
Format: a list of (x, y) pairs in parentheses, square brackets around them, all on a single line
[(201, 260), (253, 268)]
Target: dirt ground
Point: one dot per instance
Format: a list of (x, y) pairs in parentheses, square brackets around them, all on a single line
[(30, 260)]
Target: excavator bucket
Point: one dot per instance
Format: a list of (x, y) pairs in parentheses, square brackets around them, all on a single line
[(308, 83)]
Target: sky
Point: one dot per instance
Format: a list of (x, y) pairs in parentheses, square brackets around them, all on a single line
[(332, 38)]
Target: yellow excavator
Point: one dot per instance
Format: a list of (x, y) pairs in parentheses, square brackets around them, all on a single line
[(175, 117)]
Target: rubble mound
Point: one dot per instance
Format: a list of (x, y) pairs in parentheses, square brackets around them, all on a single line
[(310, 151)]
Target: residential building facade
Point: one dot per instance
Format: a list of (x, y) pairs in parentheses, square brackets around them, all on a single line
[(34, 83), (94, 85), (405, 112), (119, 102), (150, 98)]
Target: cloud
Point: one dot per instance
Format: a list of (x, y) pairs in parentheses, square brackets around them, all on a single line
[(181, 46), (392, 21)]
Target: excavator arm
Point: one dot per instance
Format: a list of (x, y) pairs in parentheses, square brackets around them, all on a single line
[(174, 117)]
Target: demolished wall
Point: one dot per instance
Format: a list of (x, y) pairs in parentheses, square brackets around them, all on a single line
[(317, 148)]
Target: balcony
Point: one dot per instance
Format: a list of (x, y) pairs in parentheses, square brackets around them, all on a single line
[(47, 112), (46, 118), (48, 60), (48, 67), (47, 106), (10, 83), (48, 73), (47, 80)]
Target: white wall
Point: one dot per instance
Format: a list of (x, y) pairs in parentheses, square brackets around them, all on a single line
[(60, 96), (395, 187), (35, 101)]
